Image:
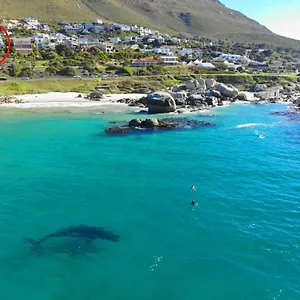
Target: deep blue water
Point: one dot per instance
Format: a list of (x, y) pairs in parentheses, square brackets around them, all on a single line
[(242, 241)]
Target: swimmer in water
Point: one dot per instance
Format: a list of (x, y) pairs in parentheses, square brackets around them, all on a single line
[(194, 203), (193, 188)]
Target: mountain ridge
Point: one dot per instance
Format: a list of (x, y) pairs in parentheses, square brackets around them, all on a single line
[(200, 18)]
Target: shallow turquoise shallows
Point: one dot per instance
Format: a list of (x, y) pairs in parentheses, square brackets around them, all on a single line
[(242, 241)]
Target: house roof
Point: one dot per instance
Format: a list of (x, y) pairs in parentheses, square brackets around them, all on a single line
[(144, 61)]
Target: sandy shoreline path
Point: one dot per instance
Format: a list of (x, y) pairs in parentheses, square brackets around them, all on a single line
[(70, 100)]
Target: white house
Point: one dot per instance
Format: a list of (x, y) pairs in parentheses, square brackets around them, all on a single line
[(44, 27), (115, 39), (168, 60), (163, 51), (31, 23), (74, 29), (175, 40), (88, 41), (70, 29), (122, 27), (186, 51), (160, 39), (128, 39), (44, 43), (135, 28), (107, 47), (233, 58), (98, 21), (150, 40), (97, 29)]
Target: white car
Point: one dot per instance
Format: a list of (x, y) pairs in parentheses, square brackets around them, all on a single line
[(77, 76)]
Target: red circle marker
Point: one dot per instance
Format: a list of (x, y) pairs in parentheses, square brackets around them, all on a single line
[(8, 45)]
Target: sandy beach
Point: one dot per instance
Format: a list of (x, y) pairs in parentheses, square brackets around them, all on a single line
[(71, 102)]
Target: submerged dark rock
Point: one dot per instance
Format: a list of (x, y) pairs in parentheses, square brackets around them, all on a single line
[(137, 125), (292, 115)]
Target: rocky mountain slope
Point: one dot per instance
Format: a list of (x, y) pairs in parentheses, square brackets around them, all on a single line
[(209, 18)]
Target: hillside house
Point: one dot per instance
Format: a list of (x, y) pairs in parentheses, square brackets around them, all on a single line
[(160, 39), (115, 39), (146, 62), (97, 29), (73, 29), (31, 23), (44, 27), (233, 58), (168, 60), (88, 41), (129, 40), (163, 51), (107, 47), (122, 27), (23, 45), (175, 40)]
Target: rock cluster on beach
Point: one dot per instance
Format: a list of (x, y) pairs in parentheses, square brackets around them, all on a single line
[(9, 99), (156, 124), (199, 94)]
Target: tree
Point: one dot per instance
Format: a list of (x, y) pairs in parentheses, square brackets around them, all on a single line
[(67, 71), (51, 70), (26, 72), (14, 70), (127, 71)]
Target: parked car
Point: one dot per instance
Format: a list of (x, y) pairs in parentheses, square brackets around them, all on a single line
[(77, 76)]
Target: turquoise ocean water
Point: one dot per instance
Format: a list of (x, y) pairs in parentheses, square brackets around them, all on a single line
[(241, 242)]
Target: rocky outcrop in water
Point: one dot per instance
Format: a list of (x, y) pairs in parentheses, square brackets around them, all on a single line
[(137, 125)]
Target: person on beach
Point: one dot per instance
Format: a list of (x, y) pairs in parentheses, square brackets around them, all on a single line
[(193, 188)]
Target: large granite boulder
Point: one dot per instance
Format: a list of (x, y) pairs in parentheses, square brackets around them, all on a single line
[(226, 90), (210, 83), (160, 102), (212, 101), (202, 83), (96, 95), (242, 97), (216, 94), (259, 88), (150, 123), (192, 84), (135, 123), (179, 95), (177, 88)]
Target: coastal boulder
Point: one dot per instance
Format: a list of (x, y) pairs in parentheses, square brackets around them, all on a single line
[(242, 97), (135, 123), (202, 84), (179, 95), (96, 95), (160, 102), (226, 90), (259, 88), (150, 123), (216, 94), (192, 84), (212, 101), (210, 83)]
